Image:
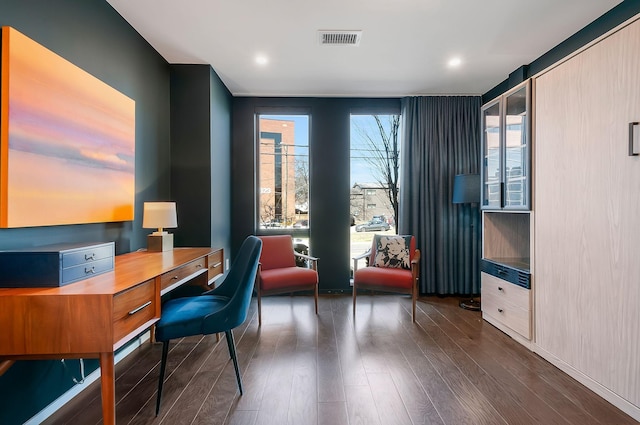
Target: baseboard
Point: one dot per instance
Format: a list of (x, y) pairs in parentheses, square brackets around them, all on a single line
[(613, 398), (89, 379)]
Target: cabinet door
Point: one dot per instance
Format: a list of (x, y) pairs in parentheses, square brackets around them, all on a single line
[(516, 149), (587, 236), (492, 166)]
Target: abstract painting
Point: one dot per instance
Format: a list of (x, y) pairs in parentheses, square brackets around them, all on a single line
[(67, 141)]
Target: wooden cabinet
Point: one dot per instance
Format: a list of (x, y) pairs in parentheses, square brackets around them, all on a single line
[(506, 167), (506, 273), (506, 304), (587, 236)]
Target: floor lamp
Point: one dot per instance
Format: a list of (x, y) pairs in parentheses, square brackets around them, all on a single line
[(466, 190)]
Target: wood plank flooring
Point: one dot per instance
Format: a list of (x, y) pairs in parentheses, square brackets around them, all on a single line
[(376, 367)]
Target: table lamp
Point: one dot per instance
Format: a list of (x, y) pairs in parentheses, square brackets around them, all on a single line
[(159, 215)]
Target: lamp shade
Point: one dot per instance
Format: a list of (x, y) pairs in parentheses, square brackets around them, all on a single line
[(159, 215), (466, 189)]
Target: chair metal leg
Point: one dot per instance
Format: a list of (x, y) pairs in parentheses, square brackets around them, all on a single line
[(163, 365), (259, 309), (315, 296), (232, 351)]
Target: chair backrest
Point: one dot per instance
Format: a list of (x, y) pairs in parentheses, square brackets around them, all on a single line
[(277, 252), (372, 256), (239, 282)]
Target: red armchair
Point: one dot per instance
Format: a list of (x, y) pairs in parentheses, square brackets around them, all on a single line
[(278, 273), (394, 266)]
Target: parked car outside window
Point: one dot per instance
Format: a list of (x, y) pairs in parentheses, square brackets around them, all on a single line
[(301, 224), (373, 226)]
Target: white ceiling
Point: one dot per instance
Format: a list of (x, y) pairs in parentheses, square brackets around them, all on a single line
[(404, 50)]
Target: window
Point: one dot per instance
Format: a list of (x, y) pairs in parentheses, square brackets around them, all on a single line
[(283, 177), (375, 170)]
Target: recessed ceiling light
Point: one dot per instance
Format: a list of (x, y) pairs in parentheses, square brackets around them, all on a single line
[(454, 62), (261, 60)]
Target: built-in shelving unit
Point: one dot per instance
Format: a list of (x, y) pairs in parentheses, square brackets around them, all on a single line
[(506, 273)]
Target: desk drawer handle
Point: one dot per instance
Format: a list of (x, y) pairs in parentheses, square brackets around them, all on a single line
[(175, 278), (88, 257), (500, 288), (135, 310), (216, 265), (92, 270), (500, 310), (198, 265)]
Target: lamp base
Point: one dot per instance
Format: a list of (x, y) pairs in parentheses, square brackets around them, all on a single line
[(160, 243), (470, 304)]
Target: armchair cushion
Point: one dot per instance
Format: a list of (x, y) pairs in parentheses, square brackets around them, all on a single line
[(384, 277), (392, 251), (286, 277)]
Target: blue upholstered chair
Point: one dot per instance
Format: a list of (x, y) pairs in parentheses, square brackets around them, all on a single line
[(218, 310)]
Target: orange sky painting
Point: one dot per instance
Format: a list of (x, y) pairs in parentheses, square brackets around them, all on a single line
[(68, 138)]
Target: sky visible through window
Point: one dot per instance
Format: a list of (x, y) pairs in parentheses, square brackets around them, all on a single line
[(365, 136), (361, 170)]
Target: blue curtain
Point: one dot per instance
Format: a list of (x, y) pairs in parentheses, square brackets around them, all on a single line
[(441, 138)]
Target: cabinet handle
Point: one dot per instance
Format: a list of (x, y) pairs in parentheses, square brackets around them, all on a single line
[(500, 310), (500, 288), (634, 139), (92, 270), (174, 278), (198, 266), (135, 310), (88, 257), (216, 265)]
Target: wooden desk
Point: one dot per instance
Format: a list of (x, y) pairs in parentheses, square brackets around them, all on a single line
[(94, 317)]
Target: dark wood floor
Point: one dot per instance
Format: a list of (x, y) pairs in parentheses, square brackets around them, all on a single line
[(375, 368)]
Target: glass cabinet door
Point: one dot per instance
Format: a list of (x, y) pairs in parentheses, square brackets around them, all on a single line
[(492, 169), (516, 155), (505, 144)]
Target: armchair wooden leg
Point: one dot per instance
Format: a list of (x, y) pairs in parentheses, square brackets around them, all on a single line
[(354, 299), (163, 365), (315, 296), (413, 310), (232, 352)]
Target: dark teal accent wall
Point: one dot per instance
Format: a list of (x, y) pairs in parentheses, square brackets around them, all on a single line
[(600, 26), (200, 156), (329, 174), (91, 35)]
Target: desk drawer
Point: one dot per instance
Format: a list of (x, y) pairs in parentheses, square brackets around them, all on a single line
[(167, 280), (133, 308), (87, 270), (215, 264), (89, 254)]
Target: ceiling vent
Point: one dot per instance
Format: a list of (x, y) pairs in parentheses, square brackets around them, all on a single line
[(339, 38)]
